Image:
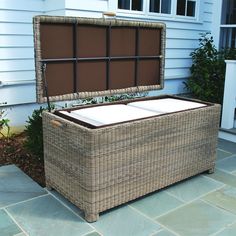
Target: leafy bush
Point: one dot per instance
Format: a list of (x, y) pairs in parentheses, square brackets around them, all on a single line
[(208, 71), (4, 123), (34, 133), (112, 98)]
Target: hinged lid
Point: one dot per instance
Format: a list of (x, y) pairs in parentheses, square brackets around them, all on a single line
[(83, 57)]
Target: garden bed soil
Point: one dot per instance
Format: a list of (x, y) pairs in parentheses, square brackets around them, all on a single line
[(12, 151)]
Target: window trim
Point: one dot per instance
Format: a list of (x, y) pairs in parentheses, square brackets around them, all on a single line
[(159, 13), (185, 12), (130, 8), (145, 13)]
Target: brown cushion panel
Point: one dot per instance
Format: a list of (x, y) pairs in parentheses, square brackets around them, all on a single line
[(56, 40)]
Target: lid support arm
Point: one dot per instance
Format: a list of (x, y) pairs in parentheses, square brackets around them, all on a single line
[(44, 66)]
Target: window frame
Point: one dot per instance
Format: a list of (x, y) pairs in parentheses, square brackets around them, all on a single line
[(185, 11), (147, 15), (130, 8), (151, 13), (226, 28)]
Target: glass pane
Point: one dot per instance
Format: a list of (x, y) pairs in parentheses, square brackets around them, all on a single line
[(124, 4), (181, 7), (191, 8), (225, 12), (233, 38), (166, 6), (232, 16), (154, 6), (137, 5), (228, 38)]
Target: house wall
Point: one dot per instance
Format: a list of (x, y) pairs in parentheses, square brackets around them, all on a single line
[(17, 93)]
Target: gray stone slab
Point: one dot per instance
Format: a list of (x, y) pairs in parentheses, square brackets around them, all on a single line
[(227, 164), (229, 231), (156, 204), (16, 186), (47, 216), (93, 234), (66, 202), (124, 221), (193, 188), (227, 146), (197, 219), (7, 225), (224, 177), (163, 233), (221, 154), (224, 198)]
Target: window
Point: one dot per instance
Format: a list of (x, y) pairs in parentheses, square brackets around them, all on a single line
[(186, 7), (229, 12), (228, 37), (134, 5), (228, 21), (160, 6)]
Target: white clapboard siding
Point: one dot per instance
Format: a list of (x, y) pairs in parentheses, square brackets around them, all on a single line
[(16, 53), (13, 28), (16, 65), (17, 72), (208, 17), (15, 76), (173, 33), (17, 16), (22, 5), (207, 7), (16, 41), (91, 5), (173, 86), (175, 73), (93, 14), (178, 63), (182, 43), (53, 5), (56, 13), (19, 94), (19, 115), (178, 53)]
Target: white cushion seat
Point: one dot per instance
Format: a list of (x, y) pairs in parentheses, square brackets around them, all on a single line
[(166, 105), (109, 114), (81, 118)]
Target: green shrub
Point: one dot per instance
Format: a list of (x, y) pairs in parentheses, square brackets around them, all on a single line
[(208, 71), (4, 123), (112, 98), (34, 133)]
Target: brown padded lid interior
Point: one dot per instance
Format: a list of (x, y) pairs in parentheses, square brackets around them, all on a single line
[(86, 57)]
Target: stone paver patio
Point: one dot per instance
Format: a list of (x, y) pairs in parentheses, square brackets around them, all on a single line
[(200, 206)]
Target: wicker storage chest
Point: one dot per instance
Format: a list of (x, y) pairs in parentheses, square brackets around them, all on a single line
[(98, 168)]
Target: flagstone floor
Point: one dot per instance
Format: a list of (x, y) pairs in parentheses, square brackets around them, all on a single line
[(204, 205)]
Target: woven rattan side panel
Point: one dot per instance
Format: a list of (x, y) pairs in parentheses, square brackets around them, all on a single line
[(102, 168)]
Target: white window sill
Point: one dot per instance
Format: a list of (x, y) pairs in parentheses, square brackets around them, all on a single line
[(130, 12), (228, 26), (157, 16)]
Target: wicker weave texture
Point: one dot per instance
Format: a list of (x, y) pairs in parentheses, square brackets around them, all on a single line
[(98, 169)]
